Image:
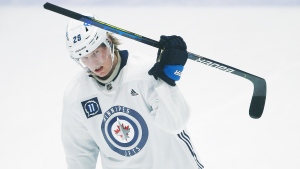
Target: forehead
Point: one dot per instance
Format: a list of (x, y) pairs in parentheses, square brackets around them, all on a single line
[(100, 47)]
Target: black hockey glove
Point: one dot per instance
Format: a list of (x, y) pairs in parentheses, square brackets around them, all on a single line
[(171, 58)]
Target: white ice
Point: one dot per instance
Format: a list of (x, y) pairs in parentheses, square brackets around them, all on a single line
[(265, 41)]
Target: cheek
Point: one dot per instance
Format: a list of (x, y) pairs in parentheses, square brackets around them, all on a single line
[(104, 58), (107, 59)]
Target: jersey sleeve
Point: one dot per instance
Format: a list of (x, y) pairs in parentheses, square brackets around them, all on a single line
[(169, 107), (80, 149)]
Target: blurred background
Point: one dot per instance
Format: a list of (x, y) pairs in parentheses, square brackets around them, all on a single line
[(259, 37), (156, 3)]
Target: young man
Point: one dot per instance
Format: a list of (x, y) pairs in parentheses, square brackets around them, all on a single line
[(131, 115)]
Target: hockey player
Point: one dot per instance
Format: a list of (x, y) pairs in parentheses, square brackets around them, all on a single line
[(134, 116)]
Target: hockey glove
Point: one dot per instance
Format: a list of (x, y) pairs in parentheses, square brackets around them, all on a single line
[(171, 58)]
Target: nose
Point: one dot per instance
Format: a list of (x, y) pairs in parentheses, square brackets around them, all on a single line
[(96, 60)]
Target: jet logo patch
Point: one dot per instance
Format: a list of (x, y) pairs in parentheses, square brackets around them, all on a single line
[(124, 130)]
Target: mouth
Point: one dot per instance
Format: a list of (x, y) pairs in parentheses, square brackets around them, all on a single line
[(99, 69)]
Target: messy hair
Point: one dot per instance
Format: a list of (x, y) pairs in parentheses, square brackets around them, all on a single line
[(115, 41)]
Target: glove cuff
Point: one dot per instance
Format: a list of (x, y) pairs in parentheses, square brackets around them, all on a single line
[(158, 72), (173, 71)]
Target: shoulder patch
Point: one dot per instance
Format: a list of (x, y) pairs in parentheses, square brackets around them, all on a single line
[(91, 107)]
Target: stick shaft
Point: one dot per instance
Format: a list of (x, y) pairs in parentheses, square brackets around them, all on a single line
[(259, 93)]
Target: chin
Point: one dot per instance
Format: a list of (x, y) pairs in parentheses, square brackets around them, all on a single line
[(102, 75)]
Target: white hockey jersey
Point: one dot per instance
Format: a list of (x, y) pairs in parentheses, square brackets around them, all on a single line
[(135, 122)]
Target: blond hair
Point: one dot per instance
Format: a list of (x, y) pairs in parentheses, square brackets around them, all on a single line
[(115, 41)]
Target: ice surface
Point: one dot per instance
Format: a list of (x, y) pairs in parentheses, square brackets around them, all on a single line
[(35, 69)]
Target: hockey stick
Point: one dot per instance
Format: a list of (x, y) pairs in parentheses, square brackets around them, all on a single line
[(260, 87)]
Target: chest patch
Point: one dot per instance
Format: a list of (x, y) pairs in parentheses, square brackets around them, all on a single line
[(91, 107), (124, 130)]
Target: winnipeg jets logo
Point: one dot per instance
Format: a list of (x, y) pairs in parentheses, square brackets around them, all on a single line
[(122, 131)]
